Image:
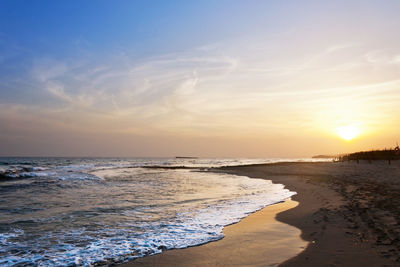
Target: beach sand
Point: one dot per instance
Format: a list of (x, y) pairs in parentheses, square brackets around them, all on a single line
[(348, 213)]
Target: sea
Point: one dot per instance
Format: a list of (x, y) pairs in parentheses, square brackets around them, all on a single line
[(100, 211)]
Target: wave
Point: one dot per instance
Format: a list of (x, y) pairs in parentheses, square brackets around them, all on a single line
[(14, 168), (133, 212)]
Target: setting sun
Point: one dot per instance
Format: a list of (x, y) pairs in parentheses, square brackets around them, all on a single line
[(348, 132)]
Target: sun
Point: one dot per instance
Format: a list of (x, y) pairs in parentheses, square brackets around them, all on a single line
[(348, 132)]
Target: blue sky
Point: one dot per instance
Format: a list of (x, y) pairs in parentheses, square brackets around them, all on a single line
[(142, 27), (208, 78)]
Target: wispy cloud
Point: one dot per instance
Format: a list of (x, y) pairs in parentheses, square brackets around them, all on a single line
[(218, 88)]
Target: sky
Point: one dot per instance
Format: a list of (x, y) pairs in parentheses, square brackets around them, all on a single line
[(198, 78)]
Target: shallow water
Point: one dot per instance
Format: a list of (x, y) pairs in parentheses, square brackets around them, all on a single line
[(94, 211)]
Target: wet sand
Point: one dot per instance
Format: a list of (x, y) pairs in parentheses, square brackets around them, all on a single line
[(257, 240), (348, 213)]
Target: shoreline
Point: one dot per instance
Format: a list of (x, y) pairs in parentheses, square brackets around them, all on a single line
[(257, 240), (330, 215)]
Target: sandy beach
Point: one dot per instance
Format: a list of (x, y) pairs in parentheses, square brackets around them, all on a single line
[(347, 216)]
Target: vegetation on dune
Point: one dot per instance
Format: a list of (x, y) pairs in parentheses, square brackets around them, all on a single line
[(385, 154)]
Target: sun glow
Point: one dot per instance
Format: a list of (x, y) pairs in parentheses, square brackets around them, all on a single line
[(348, 132)]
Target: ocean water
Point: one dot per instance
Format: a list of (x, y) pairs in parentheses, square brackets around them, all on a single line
[(88, 211)]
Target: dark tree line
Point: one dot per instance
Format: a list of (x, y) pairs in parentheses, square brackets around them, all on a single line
[(385, 154)]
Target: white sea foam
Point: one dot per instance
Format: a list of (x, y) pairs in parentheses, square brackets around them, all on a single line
[(68, 216)]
